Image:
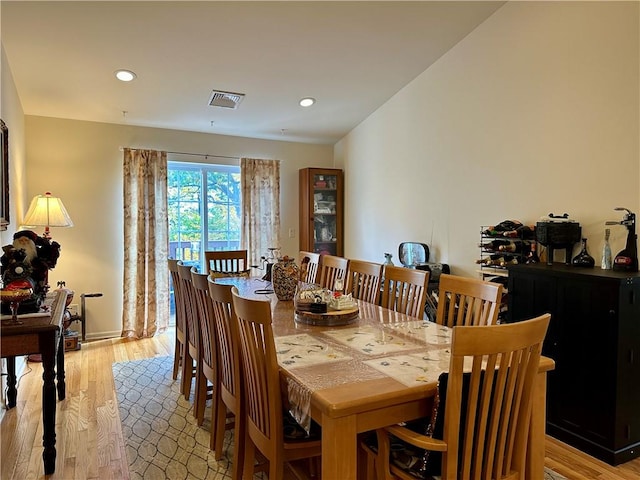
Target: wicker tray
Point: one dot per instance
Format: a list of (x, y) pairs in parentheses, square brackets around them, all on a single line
[(332, 318)]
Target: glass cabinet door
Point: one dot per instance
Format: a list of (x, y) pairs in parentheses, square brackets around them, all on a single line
[(325, 234), (321, 210)]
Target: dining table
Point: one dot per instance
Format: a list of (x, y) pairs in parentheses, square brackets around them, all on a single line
[(379, 369)]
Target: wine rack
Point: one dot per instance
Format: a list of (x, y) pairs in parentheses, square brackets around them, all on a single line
[(499, 250)]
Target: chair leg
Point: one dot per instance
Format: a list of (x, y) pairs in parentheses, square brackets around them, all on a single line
[(239, 450), (381, 463), (221, 422), (201, 396), (314, 467), (176, 359), (215, 401), (187, 373), (370, 472), (249, 457), (365, 463)]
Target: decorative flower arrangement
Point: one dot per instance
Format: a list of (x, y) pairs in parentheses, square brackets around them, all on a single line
[(28, 260)]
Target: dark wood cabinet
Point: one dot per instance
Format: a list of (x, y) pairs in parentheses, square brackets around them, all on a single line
[(593, 396), (321, 210)]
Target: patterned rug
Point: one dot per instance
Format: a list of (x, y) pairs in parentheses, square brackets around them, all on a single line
[(163, 440)]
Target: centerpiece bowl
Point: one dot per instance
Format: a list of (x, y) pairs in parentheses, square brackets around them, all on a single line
[(13, 296), (317, 306)]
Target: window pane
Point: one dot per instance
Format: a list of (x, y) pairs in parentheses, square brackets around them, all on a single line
[(191, 232)]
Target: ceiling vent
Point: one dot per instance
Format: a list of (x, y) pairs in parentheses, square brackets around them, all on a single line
[(225, 99)]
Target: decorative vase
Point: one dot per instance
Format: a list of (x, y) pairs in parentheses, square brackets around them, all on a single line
[(583, 259), (607, 262), (284, 277)]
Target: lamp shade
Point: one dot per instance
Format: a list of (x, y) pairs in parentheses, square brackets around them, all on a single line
[(47, 211)]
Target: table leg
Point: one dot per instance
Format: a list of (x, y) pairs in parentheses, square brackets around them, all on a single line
[(49, 410), (12, 392), (60, 374), (339, 448), (536, 444)]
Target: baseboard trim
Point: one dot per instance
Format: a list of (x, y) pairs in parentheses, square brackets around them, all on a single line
[(103, 335)]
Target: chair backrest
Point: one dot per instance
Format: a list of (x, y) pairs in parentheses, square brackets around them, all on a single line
[(190, 319), (205, 316), (178, 297), (226, 261), (227, 340), (363, 280), (261, 385), (331, 268), (487, 430), (467, 301), (310, 266), (405, 290)]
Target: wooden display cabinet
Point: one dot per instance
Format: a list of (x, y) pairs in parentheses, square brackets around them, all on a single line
[(321, 210)]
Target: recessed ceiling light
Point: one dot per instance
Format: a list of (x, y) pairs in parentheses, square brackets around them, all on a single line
[(307, 102), (125, 75)]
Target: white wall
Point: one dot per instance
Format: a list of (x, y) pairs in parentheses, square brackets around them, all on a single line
[(535, 111), (12, 115), (82, 163)]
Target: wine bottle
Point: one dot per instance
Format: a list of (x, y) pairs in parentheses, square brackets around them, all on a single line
[(500, 228), (498, 260), (490, 260), (508, 260), (494, 245), (513, 247), (607, 263), (523, 231), (532, 257), (491, 232)]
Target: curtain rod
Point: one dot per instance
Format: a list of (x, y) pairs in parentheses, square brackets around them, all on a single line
[(193, 154)]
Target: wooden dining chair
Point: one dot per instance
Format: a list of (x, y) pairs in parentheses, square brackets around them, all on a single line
[(181, 330), (481, 426), (405, 290), (309, 266), (332, 268), (467, 301), (229, 394), (263, 396), (363, 280), (226, 261), (191, 350), (207, 366)]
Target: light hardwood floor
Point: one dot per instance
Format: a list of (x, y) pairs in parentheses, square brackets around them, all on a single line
[(89, 438)]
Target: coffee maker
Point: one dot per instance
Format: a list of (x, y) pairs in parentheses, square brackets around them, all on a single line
[(627, 259)]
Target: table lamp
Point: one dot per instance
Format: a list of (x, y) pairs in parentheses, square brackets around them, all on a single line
[(47, 211)]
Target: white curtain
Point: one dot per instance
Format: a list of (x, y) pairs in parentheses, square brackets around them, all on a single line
[(146, 240), (260, 181)]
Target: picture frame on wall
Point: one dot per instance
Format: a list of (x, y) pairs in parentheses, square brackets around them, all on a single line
[(4, 176)]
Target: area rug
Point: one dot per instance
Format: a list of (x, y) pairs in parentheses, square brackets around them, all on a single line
[(163, 440)]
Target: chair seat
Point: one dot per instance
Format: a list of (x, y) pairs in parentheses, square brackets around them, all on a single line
[(406, 460)]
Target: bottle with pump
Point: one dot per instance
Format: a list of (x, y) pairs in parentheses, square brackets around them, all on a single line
[(627, 259)]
